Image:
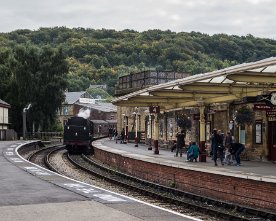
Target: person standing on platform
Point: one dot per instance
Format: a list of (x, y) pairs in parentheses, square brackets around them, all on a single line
[(115, 135), (216, 140), (110, 132), (122, 136), (227, 143), (221, 147), (180, 143), (221, 134)]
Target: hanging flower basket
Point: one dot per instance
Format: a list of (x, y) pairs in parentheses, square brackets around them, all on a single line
[(184, 122), (244, 115)]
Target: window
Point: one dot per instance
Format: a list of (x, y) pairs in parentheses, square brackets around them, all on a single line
[(258, 132), (65, 110), (242, 134)]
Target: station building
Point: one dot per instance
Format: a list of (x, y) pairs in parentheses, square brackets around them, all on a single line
[(148, 108)]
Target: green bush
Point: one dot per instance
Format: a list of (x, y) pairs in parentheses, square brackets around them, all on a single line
[(244, 116), (184, 122)]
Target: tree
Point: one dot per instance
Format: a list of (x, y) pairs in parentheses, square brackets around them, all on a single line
[(5, 73), (37, 77), (99, 55), (99, 93)]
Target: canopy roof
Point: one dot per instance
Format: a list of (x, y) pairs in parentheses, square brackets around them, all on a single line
[(221, 86)]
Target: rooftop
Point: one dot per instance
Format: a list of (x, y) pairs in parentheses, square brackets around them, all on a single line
[(101, 106), (221, 86), (73, 97), (3, 103)]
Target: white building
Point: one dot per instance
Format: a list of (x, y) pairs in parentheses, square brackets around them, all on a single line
[(4, 114)]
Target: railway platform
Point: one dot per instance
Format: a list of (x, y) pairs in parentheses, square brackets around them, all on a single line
[(255, 170), (251, 185), (29, 192)]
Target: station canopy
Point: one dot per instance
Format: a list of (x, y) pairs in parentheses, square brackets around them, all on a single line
[(221, 86)]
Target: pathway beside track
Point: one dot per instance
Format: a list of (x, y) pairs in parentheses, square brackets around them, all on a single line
[(29, 192)]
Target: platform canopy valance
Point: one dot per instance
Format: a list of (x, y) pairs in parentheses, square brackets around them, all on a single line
[(221, 86)]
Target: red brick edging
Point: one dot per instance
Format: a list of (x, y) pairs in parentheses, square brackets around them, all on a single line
[(247, 192)]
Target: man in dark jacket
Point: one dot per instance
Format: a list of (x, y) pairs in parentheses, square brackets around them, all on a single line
[(122, 136), (180, 143), (236, 149), (216, 140)]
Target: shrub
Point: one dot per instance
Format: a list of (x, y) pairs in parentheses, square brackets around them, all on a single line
[(244, 115), (184, 122)]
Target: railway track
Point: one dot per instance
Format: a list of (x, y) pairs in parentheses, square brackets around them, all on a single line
[(41, 157), (166, 197), (169, 197)]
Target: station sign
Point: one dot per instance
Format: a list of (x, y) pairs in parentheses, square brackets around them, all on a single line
[(271, 115), (270, 118), (154, 109), (262, 107)]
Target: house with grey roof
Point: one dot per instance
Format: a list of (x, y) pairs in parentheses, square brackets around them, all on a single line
[(100, 110), (71, 98), (75, 101)]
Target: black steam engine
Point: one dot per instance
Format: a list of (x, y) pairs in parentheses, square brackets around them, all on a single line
[(78, 135)]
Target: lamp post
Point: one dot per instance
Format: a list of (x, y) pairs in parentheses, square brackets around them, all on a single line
[(156, 134), (24, 120), (202, 132), (124, 125), (150, 132), (136, 127), (148, 125), (155, 110)]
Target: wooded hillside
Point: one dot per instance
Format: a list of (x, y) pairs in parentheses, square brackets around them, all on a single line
[(101, 56)]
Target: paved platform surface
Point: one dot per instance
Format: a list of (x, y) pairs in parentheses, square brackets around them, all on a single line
[(255, 170), (29, 192)]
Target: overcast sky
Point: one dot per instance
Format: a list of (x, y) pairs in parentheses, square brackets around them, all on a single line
[(238, 17)]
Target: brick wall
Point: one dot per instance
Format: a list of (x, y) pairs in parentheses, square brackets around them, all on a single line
[(231, 189)]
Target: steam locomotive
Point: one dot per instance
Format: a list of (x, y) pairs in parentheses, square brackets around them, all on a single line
[(79, 132), (78, 135)]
